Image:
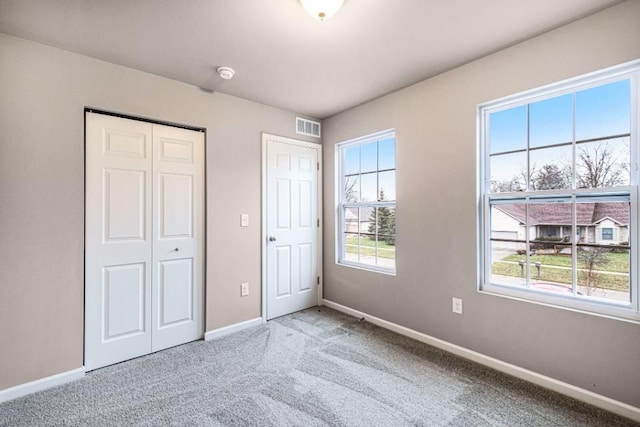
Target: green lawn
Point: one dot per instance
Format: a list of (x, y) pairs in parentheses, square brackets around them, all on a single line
[(550, 274), (615, 262), (368, 247)]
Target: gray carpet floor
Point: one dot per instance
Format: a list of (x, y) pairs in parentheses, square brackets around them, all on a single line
[(313, 368)]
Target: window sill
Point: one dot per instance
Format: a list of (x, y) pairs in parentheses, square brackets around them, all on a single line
[(625, 313), (365, 267)]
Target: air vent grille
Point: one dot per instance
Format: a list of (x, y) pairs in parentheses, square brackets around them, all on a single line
[(307, 127)]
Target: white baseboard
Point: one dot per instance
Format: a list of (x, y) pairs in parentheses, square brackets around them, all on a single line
[(41, 384), (237, 327), (577, 393)]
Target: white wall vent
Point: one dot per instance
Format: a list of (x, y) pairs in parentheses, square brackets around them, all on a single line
[(307, 127)]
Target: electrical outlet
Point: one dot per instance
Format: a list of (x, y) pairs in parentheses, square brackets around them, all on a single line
[(244, 220), (456, 305), (244, 289)]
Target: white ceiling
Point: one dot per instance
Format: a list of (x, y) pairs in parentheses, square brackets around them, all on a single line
[(282, 56)]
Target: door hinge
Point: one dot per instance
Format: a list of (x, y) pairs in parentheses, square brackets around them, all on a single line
[(318, 222), (318, 280), (318, 165)]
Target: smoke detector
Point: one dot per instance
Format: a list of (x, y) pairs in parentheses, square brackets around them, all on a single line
[(226, 72)]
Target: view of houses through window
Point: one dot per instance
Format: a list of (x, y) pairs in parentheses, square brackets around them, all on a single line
[(367, 202), (559, 189), (601, 240)]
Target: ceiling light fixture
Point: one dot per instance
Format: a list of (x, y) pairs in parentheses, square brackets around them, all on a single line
[(322, 9), (226, 72)]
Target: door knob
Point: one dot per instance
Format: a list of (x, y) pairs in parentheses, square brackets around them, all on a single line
[(272, 239), (177, 249)]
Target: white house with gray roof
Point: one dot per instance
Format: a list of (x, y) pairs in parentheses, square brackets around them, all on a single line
[(604, 223)]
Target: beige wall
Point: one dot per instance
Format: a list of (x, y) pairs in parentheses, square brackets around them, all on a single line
[(43, 92), (435, 123)]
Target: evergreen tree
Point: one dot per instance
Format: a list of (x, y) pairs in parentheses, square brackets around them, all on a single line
[(386, 222)]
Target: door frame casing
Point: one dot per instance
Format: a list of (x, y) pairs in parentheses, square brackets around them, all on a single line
[(266, 137)]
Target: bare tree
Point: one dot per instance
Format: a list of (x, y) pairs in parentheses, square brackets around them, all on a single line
[(599, 167), (507, 185), (527, 176), (351, 192), (551, 177), (548, 177), (590, 258)]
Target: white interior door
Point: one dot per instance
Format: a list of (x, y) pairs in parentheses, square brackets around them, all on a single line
[(144, 238), (178, 246), (292, 224), (118, 240)]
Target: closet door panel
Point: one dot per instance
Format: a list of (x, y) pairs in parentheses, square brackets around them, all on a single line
[(178, 186), (118, 243)]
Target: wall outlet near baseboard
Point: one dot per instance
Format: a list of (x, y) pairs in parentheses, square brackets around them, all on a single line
[(244, 289), (456, 305)]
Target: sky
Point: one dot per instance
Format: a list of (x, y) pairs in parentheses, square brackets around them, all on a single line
[(599, 111), (369, 158)]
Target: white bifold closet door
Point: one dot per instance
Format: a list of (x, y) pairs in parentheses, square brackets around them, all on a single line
[(144, 242)]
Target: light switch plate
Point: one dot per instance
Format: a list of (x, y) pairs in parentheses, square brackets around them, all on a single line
[(244, 220), (244, 289)]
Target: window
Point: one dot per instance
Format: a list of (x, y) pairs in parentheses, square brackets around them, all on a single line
[(366, 176), (559, 193)]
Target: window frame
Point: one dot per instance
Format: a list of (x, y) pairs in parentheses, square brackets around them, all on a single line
[(622, 311), (341, 204)]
